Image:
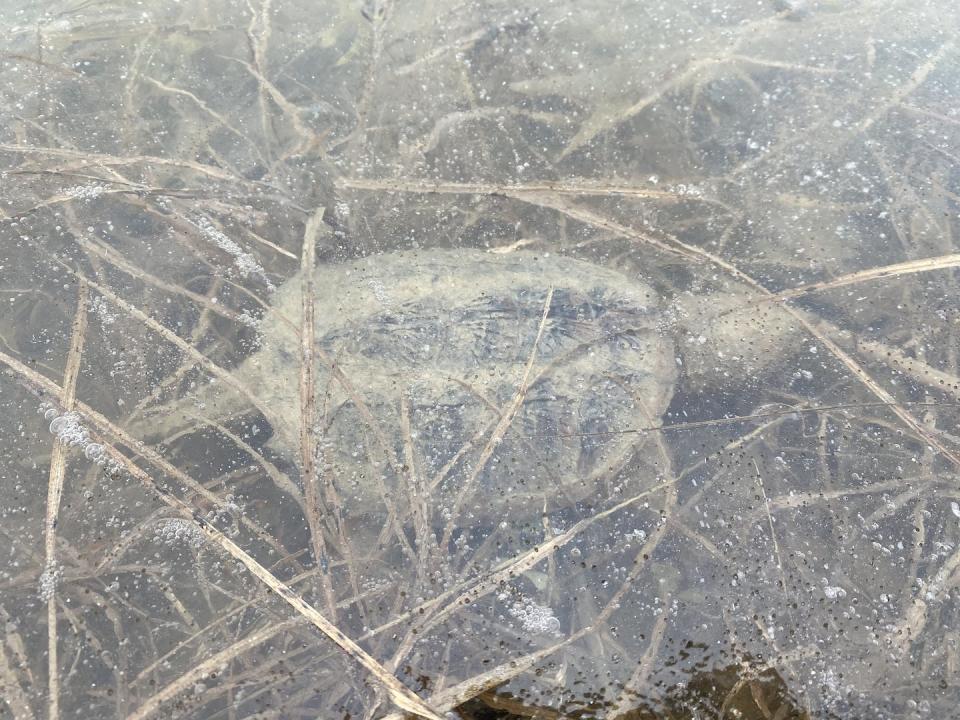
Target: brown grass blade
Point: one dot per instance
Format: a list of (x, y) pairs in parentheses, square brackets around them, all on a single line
[(206, 363), (941, 262), (308, 441), (152, 705), (450, 601), (579, 188), (820, 329), (808, 322), (451, 697), (58, 465), (399, 694), (117, 260), (914, 367), (104, 160)]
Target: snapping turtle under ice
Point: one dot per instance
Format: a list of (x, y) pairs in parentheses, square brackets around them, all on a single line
[(487, 385)]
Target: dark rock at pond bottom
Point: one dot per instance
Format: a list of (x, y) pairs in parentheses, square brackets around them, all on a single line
[(734, 691)]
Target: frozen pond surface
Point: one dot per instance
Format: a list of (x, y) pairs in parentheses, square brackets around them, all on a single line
[(480, 359)]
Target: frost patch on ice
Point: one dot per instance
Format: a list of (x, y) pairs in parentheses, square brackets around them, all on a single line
[(835, 691), (834, 592), (254, 323), (99, 307), (245, 263), (379, 291), (636, 534)]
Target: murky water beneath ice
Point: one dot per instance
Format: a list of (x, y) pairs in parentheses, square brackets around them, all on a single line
[(625, 383)]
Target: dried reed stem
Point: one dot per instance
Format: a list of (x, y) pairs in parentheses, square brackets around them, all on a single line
[(58, 465)]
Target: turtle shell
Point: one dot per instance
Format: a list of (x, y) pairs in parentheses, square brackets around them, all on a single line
[(481, 383)]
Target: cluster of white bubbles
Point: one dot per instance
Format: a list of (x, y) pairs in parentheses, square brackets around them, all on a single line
[(534, 618), (69, 429), (172, 531), (85, 192), (49, 579)]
